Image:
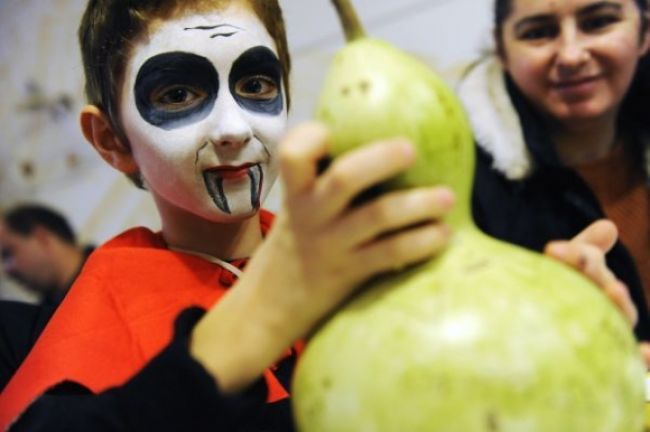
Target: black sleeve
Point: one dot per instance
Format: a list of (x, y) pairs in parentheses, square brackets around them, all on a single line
[(172, 393), (20, 325)]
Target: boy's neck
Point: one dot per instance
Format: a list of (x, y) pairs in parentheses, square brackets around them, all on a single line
[(227, 241)]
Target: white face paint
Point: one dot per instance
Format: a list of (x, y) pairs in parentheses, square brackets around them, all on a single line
[(203, 108)]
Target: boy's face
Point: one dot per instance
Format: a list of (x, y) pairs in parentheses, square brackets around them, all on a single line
[(203, 108)]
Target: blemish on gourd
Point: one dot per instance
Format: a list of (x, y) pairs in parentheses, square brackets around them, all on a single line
[(364, 86), (492, 422)]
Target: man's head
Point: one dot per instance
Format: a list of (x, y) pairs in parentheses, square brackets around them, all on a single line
[(190, 99), (27, 234)]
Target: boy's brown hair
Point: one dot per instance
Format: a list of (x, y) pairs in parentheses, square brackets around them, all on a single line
[(109, 27)]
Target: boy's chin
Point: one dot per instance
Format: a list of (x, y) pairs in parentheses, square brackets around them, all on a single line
[(236, 215)]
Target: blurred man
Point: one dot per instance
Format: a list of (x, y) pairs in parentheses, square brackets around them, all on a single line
[(38, 249)]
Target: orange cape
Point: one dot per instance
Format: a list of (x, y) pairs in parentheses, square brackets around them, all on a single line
[(117, 316)]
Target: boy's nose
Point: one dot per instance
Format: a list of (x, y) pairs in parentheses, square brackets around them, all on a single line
[(232, 129)]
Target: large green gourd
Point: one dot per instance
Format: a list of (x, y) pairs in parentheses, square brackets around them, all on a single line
[(485, 337)]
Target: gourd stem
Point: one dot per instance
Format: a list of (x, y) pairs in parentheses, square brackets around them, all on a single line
[(349, 20)]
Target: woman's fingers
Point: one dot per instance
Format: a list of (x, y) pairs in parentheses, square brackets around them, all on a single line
[(584, 257), (590, 261), (644, 347), (602, 234)]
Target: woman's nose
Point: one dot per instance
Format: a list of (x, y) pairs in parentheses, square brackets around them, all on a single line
[(572, 52)]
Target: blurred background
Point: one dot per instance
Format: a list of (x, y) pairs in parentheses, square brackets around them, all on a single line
[(44, 158)]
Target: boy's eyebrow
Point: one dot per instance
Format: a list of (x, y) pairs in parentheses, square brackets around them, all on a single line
[(214, 27)]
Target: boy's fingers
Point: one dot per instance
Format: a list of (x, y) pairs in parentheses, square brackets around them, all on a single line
[(358, 170), (402, 249), (299, 153), (394, 211), (602, 234)]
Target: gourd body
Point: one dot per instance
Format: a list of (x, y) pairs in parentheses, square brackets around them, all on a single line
[(484, 337)]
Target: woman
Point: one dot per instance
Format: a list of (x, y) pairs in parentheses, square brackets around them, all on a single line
[(557, 114)]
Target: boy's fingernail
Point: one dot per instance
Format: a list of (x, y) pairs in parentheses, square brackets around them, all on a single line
[(445, 196)]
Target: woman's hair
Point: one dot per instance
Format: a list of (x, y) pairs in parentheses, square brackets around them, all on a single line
[(109, 28)]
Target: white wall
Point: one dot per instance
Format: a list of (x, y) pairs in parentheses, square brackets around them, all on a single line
[(44, 157)]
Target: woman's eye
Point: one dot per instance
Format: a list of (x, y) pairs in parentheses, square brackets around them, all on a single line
[(257, 87), (177, 98), (597, 22), (536, 33)]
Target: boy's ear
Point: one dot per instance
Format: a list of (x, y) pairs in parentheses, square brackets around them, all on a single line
[(98, 131)]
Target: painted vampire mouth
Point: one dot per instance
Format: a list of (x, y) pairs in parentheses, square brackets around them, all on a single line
[(232, 172), (215, 178)]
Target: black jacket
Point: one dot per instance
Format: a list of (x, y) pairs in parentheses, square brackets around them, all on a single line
[(522, 192)]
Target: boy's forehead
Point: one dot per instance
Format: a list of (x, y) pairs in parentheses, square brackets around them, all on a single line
[(232, 28)]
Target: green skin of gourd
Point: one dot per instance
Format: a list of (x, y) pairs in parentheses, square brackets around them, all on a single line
[(484, 337)]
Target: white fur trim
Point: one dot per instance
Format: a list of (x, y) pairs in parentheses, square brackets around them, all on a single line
[(493, 118)]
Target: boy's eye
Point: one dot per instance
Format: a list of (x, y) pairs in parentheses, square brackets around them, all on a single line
[(597, 22), (177, 98), (257, 87)]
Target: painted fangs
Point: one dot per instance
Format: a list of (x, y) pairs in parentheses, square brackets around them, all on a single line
[(256, 176), (214, 183)]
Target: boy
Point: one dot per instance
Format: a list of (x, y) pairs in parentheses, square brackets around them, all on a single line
[(190, 101)]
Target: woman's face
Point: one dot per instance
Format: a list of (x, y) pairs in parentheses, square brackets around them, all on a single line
[(203, 109), (573, 59)]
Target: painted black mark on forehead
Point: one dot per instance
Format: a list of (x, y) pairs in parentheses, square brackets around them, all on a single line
[(175, 71), (255, 62), (233, 30)]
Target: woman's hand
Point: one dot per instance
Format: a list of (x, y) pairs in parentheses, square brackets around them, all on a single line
[(586, 252)]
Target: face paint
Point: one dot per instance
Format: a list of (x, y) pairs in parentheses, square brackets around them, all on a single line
[(214, 180), (242, 86), (179, 71), (203, 108)]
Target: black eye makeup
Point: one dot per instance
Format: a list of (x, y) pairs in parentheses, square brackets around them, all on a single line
[(256, 81), (176, 89)]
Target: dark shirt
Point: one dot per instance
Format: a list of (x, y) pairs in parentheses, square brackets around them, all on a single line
[(552, 203), (22, 323), (172, 393)]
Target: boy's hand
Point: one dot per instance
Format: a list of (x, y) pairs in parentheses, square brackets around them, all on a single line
[(319, 250), (324, 248)]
